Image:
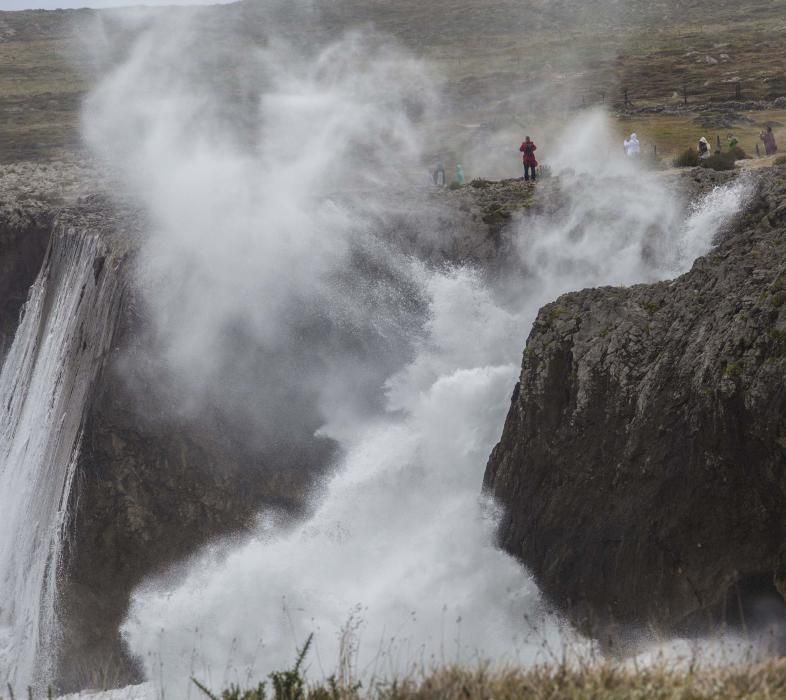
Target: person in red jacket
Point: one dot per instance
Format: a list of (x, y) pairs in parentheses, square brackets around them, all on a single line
[(528, 148)]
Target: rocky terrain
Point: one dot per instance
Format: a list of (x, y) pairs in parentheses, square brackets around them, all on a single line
[(640, 470)]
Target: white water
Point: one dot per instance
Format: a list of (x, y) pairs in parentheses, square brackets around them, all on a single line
[(397, 568), (43, 387)]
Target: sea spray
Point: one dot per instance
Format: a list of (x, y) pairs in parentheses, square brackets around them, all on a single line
[(66, 327), (400, 550), (397, 560)]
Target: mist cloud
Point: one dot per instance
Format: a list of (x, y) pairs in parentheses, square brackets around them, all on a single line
[(268, 274)]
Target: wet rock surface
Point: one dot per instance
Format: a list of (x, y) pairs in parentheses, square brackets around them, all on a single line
[(153, 484), (641, 467)]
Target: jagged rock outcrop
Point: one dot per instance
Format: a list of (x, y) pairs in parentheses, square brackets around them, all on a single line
[(641, 471)]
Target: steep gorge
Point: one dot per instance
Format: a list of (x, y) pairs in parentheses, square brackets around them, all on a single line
[(149, 483), (152, 483)]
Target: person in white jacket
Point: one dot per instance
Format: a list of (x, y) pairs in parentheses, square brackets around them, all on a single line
[(632, 146)]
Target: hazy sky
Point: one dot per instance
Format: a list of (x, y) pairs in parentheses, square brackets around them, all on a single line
[(55, 4)]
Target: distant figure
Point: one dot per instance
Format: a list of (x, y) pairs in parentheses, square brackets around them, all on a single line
[(704, 147), (459, 174), (528, 148), (770, 147), (440, 178), (632, 146)]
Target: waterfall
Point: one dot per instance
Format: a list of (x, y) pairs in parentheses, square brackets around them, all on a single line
[(66, 329)]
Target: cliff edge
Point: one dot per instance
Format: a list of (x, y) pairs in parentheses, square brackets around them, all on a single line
[(641, 467)]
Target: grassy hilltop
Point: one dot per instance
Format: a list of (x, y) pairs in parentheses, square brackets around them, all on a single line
[(505, 61)]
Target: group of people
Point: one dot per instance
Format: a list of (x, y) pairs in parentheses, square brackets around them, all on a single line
[(527, 149), (767, 137), (632, 147), (440, 178)]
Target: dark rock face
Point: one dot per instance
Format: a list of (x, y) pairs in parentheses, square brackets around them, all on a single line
[(24, 236), (151, 490), (641, 467)]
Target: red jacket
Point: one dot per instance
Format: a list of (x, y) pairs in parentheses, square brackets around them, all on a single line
[(528, 149)]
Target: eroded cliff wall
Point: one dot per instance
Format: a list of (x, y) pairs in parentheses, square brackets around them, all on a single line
[(641, 467)]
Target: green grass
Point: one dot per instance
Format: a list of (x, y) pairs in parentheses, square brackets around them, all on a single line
[(504, 62)]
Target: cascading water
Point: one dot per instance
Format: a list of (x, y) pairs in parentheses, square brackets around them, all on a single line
[(65, 330), (396, 566)]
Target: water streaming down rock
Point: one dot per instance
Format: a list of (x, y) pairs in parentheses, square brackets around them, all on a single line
[(67, 327)]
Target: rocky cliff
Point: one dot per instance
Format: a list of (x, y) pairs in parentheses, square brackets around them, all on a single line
[(641, 467)]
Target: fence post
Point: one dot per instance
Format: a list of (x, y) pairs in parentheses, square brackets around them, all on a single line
[(758, 154), (718, 146)]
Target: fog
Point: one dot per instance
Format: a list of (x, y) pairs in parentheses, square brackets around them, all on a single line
[(274, 288)]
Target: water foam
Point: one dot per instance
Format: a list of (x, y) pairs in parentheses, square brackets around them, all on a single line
[(397, 567), (43, 387)]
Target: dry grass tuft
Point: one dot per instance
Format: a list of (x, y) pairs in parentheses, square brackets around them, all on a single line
[(594, 682)]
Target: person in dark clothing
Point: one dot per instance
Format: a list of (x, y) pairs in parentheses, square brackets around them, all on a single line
[(528, 148), (770, 147)]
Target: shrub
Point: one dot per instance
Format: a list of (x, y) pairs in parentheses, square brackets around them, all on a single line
[(719, 161), (544, 171), (689, 158), (738, 152)]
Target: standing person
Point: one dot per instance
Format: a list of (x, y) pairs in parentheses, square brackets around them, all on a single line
[(459, 174), (704, 147), (632, 146), (440, 180), (770, 147), (528, 148)]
